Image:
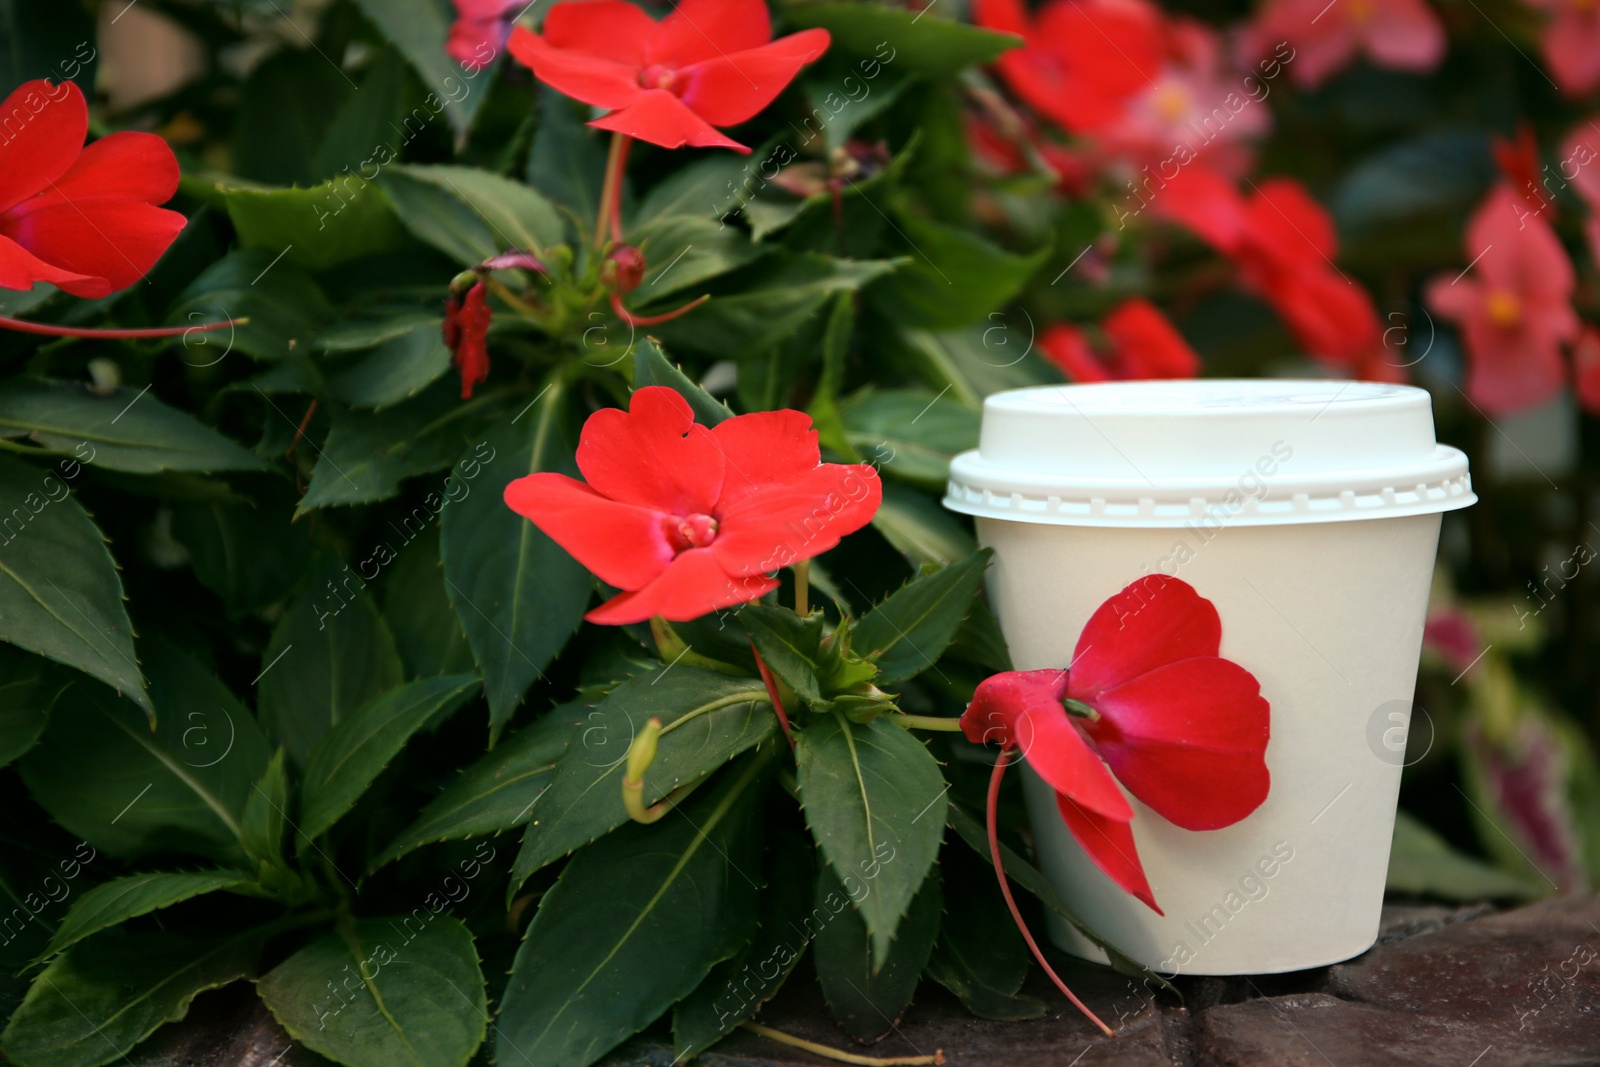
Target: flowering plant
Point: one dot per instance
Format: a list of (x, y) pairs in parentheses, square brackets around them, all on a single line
[(472, 581)]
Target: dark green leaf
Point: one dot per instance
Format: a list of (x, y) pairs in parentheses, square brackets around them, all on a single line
[(917, 431), (283, 304), (568, 161), (363, 133), (60, 595), (790, 645), (249, 554), (977, 361), (330, 654), (497, 792), (419, 1002), (30, 687), (980, 641), (635, 922), (650, 367), (266, 814), (98, 1000), (402, 365), (1422, 863), (285, 106), (358, 747), (46, 41), (952, 277), (315, 228), (919, 528), (117, 901), (369, 453), (824, 409), (908, 632), (419, 29), (711, 187), (903, 39), (980, 957), (122, 430), (867, 990), (683, 251), (471, 214), (518, 594), (708, 718), (874, 799), (416, 606)]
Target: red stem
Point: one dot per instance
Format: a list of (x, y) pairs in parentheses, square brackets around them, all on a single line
[(49, 330), (772, 692), (300, 431), (1005, 890), (652, 320), (611, 190)]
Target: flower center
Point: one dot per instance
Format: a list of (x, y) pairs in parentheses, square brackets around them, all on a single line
[(696, 531), (1360, 10), (1079, 710), (1504, 309), (655, 76), (1171, 102)]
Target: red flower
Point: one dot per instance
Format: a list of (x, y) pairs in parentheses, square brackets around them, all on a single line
[(84, 219), (687, 518), (1571, 44), (1142, 344), (1514, 308), (1080, 61), (466, 332), (1183, 729), (1398, 34), (480, 30), (710, 63), (1578, 166)]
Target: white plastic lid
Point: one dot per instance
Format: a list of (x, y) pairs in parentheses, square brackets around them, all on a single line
[(1256, 452)]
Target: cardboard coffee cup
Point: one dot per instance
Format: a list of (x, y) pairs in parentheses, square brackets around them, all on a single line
[(1308, 512)]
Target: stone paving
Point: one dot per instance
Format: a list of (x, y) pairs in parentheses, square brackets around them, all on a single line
[(1465, 987)]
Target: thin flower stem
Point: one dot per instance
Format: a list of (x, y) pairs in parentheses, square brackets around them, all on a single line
[(622, 312), (1005, 890), (610, 216), (828, 1052), (945, 723), (45, 329), (772, 692), (802, 588), (300, 431)]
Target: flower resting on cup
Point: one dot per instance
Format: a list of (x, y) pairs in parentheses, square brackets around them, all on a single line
[(687, 518), (1147, 702)]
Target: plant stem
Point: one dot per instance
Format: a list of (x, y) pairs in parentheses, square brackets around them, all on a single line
[(610, 215), (45, 329), (1005, 890), (621, 311), (840, 1054), (802, 588), (772, 693), (945, 723)]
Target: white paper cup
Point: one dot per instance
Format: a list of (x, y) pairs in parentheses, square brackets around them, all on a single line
[(1308, 512)]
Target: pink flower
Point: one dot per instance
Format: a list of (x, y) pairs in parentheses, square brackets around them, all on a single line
[(1326, 36), (1580, 166), (1513, 306), (1571, 44), (480, 30), (1586, 369), (1141, 343)]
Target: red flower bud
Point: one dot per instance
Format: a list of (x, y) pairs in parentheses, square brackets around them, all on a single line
[(624, 269), (466, 332)]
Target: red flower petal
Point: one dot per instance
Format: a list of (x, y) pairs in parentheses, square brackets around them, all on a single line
[(45, 128), (765, 447), (654, 454), (612, 30), (1147, 344), (20, 269), (700, 29), (466, 332), (729, 89), (600, 82), (1109, 842), (1153, 621), (692, 585), (1188, 740), (772, 526), (656, 116), (623, 544)]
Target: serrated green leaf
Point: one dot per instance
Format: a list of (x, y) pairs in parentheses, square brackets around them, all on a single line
[(867, 990), (908, 632), (497, 792), (416, 606), (1422, 863), (266, 814), (707, 718), (683, 251), (419, 1000), (410, 358), (419, 29), (635, 922), (122, 899), (916, 431), (99, 999), (329, 654), (31, 687), (790, 646), (980, 956), (874, 798), (518, 594), (650, 367), (249, 553), (918, 527), (902, 38), (953, 277), (368, 454), (316, 228), (352, 754), (283, 304), (470, 214)]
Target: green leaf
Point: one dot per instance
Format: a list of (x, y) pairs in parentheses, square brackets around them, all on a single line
[(330, 654), (46, 41), (419, 29), (518, 594), (368, 454), (362, 134), (123, 430), (104, 774), (903, 39), (952, 277), (981, 957), (874, 798), (416, 606), (635, 922), (712, 187), (352, 754), (917, 430), (266, 814), (122, 899), (567, 162), (975, 362), (283, 304), (790, 645), (707, 719), (497, 792), (31, 687), (906, 633), (683, 251), (866, 989), (919, 528), (470, 214), (60, 595), (98, 1000), (284, 109), (824, 407), (1421, 863), (980, 641), (410, 358), (650, 367), (249, 554), (419, 999), (726, 997), (315, 228)]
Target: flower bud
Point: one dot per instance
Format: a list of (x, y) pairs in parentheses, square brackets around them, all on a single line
[(623, 269)]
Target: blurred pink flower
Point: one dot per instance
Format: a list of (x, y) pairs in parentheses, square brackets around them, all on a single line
[(480, 30), (1327, 35), (1451, 634), (1571, 43), (1580, 166), (1512, 305)]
